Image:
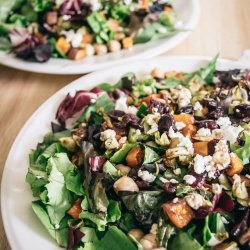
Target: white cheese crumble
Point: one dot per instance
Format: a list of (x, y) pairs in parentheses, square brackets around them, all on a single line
[(182, 95), (163, 180), (180, 125), (109, 138), (194, 200), (175, 200), (75, 38), (185, 142), (230, 132), (121, 104), (199, 164), (203, 132), (172, 134), (189, 179), (146, 176), (107, 134)]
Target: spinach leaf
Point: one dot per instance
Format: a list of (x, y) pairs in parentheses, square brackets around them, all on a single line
[(207, 72), (183, 241), (114, 211), (145, 205), (127, 222), (150, 155), (74, 182), (244, 151)]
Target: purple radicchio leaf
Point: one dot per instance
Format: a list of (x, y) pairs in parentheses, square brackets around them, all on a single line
[(71, 105), (96, 163), (42, 52), (75, 236)]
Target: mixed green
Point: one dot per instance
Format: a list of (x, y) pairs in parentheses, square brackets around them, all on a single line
[(156, 162), (40, 29)]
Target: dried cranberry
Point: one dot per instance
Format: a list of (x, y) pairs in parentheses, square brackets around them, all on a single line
[(159, 106), (186, 110), (242, 111), (216, 114), (211, 124), (116, 114), (209, 103), (226, 78), (129, 120), (165, 122), (202, 212), (170, 188)]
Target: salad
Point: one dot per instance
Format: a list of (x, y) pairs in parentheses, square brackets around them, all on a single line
[(154, 162), (38, 30)]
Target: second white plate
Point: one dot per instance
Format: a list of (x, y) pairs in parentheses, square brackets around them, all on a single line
[(188, 12)]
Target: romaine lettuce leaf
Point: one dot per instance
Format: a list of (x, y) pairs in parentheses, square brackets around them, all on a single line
[(244, 151), (150, 155)]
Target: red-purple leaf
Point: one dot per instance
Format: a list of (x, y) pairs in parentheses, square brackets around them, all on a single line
[(96, 163)]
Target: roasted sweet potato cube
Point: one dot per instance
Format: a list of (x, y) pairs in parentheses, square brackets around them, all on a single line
[(135, 157), (62, 45), (189, 131), (179, 213), (185, 118), (201, 148), (76, 209), (127, 42), (148, 98), (236, 165)]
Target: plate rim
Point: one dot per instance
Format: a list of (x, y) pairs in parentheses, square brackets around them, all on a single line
[(8, 227), (146, 54)]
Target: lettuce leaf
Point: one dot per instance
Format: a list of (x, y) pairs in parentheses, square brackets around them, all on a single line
[(150, 155)]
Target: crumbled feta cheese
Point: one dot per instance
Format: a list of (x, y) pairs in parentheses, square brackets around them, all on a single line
[(111, 143), (230, 132), (173, 181), (163, 180), (199, 164), (185, 142), (189, 179), (107, 134), (121, 104), (173, 134), (203, 132), (123, 140), (221, 157), (177, 171), (146, 176), (194, 200), (223, 121), (198, 106), (74, 38), (248, 176), (180, 125), (216, 188), (182, 95)]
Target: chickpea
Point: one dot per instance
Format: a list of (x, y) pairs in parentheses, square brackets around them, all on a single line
[(136, 234), (125, 184), (68, 143), (114, 45), (148, 242), (90, 50), (100, 49), (157, 73), (123, 168)]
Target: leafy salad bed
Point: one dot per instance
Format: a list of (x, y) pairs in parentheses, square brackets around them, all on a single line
[(74, 29), (157, 162)]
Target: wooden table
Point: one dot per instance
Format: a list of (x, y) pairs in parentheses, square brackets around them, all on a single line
[(224, 27)]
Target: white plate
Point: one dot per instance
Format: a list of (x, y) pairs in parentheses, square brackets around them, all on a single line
[(188, 12), (23, 229)]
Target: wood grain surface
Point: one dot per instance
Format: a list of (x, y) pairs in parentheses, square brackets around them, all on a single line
[(223, 27)]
